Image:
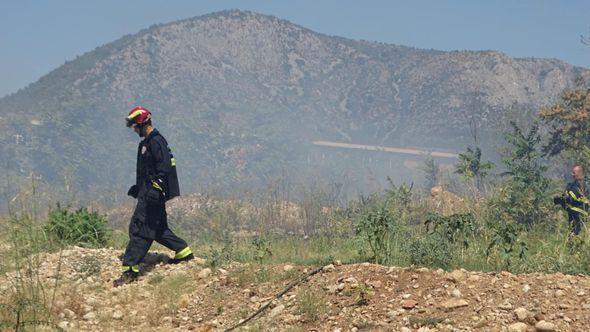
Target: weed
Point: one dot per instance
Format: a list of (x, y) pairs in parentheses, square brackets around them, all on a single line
[(89, 266), (312, 304)]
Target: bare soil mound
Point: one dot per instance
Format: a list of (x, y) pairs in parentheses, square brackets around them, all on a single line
[(191, 296)]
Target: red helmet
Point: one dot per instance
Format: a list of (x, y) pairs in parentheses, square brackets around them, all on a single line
[(138, 116)]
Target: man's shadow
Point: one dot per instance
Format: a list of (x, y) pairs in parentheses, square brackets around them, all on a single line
[(150, 261)]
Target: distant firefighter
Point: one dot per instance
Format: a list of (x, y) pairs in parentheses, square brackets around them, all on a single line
[(156, 182), (575, 200)]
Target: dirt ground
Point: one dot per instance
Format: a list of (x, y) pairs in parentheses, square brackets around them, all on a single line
[(358, 297)]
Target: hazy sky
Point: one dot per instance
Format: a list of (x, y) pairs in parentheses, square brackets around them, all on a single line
[(38, 36)]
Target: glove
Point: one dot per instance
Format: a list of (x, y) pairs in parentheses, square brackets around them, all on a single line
[(559, 200), (133, 191)]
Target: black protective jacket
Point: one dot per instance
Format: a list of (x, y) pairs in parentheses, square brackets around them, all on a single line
[(156, 170), (576, 200)]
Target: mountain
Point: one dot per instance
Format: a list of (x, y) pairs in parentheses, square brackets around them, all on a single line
[(241, 95)]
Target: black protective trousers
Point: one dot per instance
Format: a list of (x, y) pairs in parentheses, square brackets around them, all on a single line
[(148, 224), (575, 221)]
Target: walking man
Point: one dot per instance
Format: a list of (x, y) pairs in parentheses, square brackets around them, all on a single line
[(156, 182)]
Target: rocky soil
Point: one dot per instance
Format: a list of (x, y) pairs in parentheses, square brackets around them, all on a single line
[(192, 296)]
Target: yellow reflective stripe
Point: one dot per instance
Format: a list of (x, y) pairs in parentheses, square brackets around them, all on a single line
[(573, 208), (183, 253), (581, 199), (156, 185), (173, 161), (134, 114), (134, 268)]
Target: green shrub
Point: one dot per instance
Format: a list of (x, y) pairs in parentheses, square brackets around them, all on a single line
[(80, 227), (432, 251), (378, 227), (454, 228)]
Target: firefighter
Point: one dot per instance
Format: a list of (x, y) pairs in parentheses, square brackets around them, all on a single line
[(156, 182), (575, 200)]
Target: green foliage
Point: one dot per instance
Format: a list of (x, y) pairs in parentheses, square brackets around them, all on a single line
[(80, 227), (456, 227), (431, 170), (378, 226), (218, 257), (432, 250), (522, 196), (261, 249), (507, 242), (470, 166), (569, 120)]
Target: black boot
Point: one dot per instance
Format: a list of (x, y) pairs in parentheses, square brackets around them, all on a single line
[(126, 278), (180, 260)]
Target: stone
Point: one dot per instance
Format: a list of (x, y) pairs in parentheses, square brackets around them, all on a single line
[(559, 293), (526, 288), (454, 303), (64, 325), (456, 276), (288, 268), (505, 306), (521, 314), (276, 310), (69, 313), (329, 268), (405, 329), (456, 293), (332, 289), (204, 273), (117, 315), (409, 304), (89, 316), (376, 284), (518, 327), (544, 326)]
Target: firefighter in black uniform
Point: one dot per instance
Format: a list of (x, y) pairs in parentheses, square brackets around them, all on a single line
[(156, 182), (575, 200)]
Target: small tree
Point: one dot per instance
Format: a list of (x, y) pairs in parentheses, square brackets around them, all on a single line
[(471, 167), (569, 122), (432, 172), (523, 193)]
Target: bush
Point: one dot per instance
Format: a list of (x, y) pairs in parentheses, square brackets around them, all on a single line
[(457, 227), (378, 226), (432, 251), (80, 227)]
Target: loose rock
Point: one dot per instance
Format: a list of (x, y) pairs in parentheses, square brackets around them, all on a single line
[(544, 326), (454, 303), (518, 327)]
